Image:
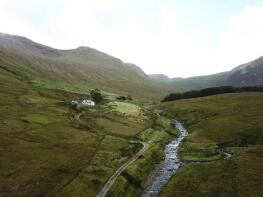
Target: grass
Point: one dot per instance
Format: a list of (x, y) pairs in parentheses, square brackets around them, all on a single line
[(39, 119), (111, 153), (42, 152), (133, 179), (69, 87), (153, 135), (39, 148), (125, 108), (79, 73), (105, 119), (121, 128), (232, 121)]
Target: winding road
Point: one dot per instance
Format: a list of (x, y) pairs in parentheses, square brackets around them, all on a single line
[(113, 178)]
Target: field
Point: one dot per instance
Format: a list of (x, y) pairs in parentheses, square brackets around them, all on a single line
[(233, 122), (45, 152)]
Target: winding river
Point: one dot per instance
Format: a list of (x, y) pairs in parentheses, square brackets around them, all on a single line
[(169, 166)]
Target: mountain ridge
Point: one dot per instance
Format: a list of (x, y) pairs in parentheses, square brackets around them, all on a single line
[(86, 66), (248, 74)]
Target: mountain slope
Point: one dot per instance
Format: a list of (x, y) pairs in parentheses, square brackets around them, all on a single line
[(84, 67), (249, 74), (160, 78), (26, 46)]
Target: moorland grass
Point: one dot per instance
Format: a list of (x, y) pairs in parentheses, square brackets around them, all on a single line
[(106, 119), (231, 121), (125, 108), (43, 152), (39, 119), (111, 153)]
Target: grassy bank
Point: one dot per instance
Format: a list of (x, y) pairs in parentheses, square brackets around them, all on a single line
[(231, 121)]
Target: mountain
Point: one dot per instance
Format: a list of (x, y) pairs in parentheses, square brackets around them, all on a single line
[(85, 68), (137, 69), (23, 45), (82, 68), (160, 78), (249, 74)]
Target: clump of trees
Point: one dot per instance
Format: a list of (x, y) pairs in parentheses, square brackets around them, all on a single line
[(211, 91), (96, 95)]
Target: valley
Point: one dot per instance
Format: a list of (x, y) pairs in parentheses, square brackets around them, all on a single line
[(52, 146), (49, 148)]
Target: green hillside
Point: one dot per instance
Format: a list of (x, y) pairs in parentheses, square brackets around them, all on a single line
[(80, 69), (50, 147), (46, 150), (232, 122)]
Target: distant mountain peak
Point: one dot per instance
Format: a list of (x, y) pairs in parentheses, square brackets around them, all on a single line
[(24, 45), (251, 64), (162, 78), (137, 69)]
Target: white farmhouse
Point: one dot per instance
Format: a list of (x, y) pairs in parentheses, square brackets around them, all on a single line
[(74, 102), (88, 103)]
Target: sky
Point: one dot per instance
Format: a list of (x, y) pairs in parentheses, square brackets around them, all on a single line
[(178, 38)]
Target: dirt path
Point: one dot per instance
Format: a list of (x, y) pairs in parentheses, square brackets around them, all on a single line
[(113, 178)]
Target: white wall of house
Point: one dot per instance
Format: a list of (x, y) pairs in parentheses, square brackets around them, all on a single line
[(88, 102)]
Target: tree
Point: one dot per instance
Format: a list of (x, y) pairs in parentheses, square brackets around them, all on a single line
[(96, 96), (211, 91)]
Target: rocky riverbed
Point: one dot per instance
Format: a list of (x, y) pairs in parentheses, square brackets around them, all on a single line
[(170, 165)]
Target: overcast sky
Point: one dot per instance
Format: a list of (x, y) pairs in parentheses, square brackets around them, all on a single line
[(176, 37)]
